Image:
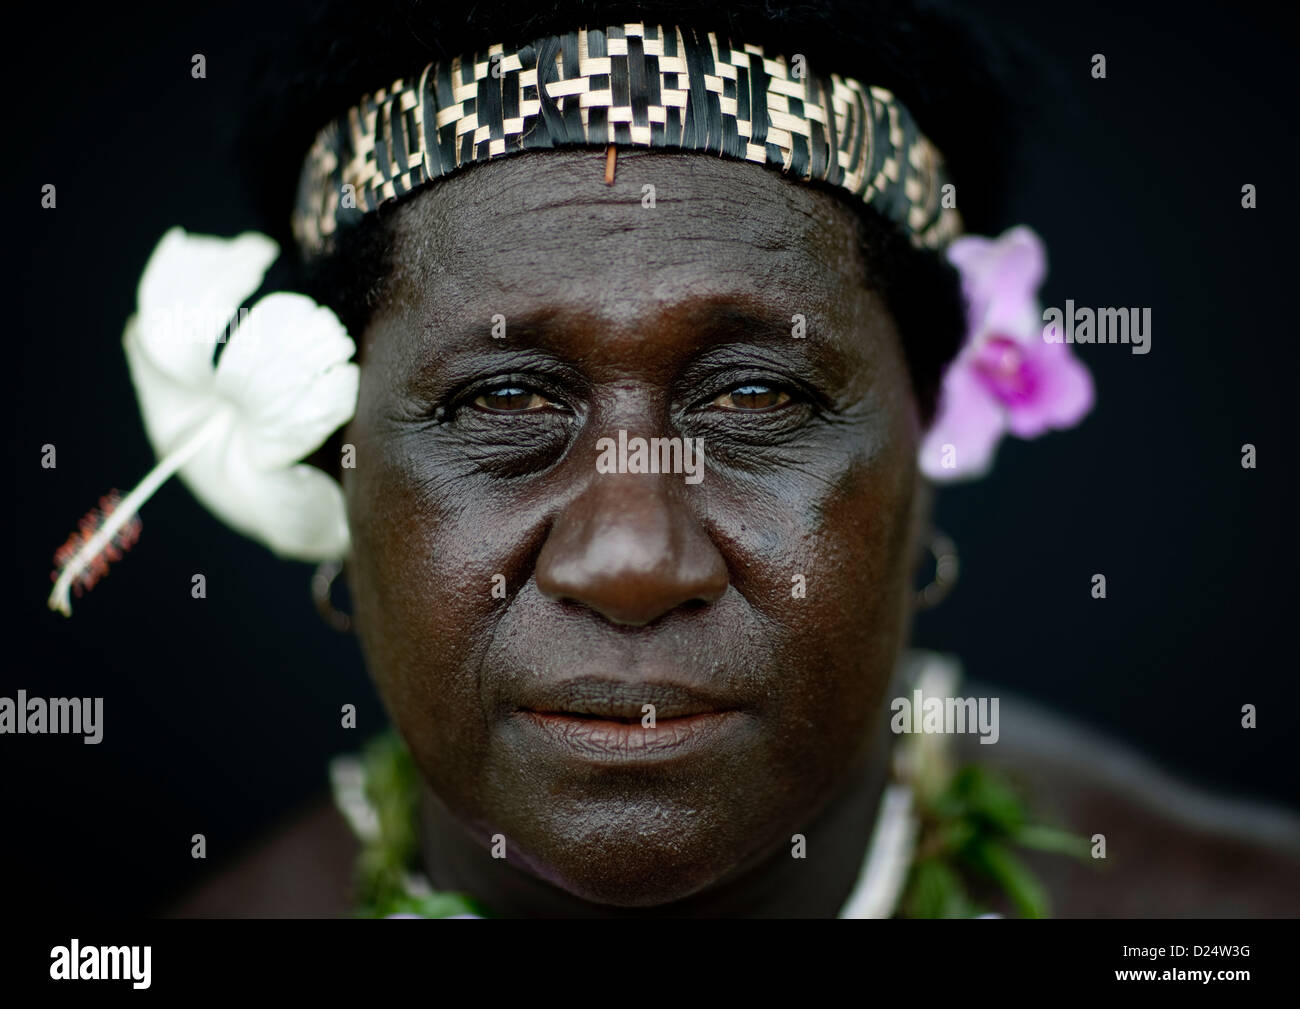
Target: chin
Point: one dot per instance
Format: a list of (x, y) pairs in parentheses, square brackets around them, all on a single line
[(644, 854)]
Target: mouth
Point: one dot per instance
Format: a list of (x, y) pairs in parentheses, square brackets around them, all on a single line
[(613, 722)]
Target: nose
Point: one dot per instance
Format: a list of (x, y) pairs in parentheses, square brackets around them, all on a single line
[(629, 548)]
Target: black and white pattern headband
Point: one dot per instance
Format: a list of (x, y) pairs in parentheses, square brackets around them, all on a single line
[(632, 84)]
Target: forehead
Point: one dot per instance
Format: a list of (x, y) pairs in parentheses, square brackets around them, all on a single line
[(545, 227)]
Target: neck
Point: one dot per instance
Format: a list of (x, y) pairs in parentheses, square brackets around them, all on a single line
[(775, 885)]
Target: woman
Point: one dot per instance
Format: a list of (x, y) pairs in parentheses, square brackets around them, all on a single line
[(635, 462)]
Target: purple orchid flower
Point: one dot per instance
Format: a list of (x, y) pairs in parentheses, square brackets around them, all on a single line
[(1006, 377)]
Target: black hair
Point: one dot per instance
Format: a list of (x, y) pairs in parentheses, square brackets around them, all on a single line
[(954, 79)]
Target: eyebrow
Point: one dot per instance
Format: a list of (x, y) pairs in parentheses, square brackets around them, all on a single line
[(715, 319), (727, 318), (718, 322), (723, 322)]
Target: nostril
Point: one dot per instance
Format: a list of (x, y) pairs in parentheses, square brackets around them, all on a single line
[(626, 603)]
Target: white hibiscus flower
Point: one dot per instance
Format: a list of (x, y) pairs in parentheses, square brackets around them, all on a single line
[(234, 432)]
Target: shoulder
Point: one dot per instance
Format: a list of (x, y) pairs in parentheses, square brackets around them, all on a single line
[(303, 869), (1171, 849)]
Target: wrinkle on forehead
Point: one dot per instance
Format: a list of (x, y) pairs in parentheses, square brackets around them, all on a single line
[(546, 221)]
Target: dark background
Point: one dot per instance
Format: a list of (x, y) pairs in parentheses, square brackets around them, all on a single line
[(221, 713)]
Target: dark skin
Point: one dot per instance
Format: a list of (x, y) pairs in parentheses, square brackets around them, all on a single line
[(476, 457)]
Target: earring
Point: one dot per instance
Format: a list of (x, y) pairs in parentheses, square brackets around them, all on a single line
[(322, 592), (946, 569)]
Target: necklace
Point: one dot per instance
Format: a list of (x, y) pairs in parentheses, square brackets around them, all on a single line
[(889, 855), (940, 832)]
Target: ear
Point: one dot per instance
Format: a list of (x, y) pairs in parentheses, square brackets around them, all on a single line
[(922, 511), (918, 538)]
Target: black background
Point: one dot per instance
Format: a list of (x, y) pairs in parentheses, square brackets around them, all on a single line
[(221, 713)]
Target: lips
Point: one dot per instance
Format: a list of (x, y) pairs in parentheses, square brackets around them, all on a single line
[(602, 720), (620, 701)]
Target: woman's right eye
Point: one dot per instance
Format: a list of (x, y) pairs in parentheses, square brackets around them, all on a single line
[(752, 397), (511, 399)]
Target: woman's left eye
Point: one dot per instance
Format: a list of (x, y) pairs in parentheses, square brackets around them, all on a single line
[(752, 396), (511, 399)]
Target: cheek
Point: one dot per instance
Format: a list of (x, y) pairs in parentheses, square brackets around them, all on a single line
[(863, 571), (421, 572), (827, 565)]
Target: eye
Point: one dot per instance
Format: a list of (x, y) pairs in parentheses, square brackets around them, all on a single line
[(752, 396), (511, 399)]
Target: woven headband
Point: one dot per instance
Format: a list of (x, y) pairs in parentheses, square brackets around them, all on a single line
[(635, 84)]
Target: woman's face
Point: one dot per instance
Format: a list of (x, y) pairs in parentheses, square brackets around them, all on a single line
[(519, 606)]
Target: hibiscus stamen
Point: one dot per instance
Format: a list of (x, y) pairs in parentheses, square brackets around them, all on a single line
[(108, 531), (92, 568)]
